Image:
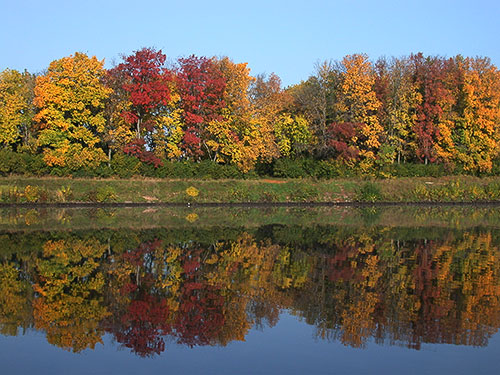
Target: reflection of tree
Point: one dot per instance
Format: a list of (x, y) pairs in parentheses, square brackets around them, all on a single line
[(350, 284), (200, 316), (143, 325), (139, 279), (15, 300), (69, 285)]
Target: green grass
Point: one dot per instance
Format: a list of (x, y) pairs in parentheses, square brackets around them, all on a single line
[(441, 189)]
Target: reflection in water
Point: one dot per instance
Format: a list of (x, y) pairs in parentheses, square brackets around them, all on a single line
[(404, 286)]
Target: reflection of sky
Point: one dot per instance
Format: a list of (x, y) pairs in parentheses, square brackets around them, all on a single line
[(287, 348)]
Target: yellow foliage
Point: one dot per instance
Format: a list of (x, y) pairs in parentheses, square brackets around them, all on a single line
[(15, 105), (358, 102), (70, 98)]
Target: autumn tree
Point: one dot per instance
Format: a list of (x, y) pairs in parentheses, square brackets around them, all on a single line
[(146, 82), (476, 134), (357, 103), (397, 91), (15, 307), (70, 100), (434, 125), (269, 102), (293, 134), (117, 132), (16, 107), (229, 134), (201, 85)]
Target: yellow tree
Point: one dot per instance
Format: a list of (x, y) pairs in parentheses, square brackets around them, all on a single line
[(168, 129), (269, 102), (235, 138), (245, 133), (477, 135), (292, 133), (358, 103), (70, 98), (16, 111), (238, 82)]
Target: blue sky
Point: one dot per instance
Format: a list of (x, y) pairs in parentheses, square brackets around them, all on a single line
[(285, 37)]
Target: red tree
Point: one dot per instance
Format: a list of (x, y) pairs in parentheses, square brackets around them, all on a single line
[(431, 75), (201, 87), (145, 82)]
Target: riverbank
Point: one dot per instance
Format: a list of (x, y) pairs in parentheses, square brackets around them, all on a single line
[(32, 190)]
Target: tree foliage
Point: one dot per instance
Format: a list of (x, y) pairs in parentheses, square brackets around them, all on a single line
[(70, 100), (359, 115)]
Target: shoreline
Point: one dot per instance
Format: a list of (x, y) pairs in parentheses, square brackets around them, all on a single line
[(246, 204)]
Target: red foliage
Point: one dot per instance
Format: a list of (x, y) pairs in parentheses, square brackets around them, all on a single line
[(145, 80), (143, 326), (200, 317), (341, 139), (201, 86), (191, 143), (431, 74), (137, 149)]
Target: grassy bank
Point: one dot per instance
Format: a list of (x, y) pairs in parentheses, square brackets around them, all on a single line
[(415, 189)]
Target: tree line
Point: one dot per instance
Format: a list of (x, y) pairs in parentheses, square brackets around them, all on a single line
[(354, 113)]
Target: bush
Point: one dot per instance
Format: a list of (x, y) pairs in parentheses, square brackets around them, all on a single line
[(289, 168), (368, 192), (415, 170), (329, 169), (103, 194), (64, 194), (34, 165), (11, 162), (125, 166), (31, 193)]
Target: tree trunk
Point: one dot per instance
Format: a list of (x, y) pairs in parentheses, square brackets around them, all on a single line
[(138, 130)]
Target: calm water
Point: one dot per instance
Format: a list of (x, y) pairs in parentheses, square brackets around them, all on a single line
[(323, 290)]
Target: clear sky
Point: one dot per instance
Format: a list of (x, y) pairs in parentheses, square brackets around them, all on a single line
[(285, 37)]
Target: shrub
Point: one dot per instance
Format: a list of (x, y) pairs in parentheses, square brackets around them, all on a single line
[(11, 162), (192, 191), (103, 194), (289, 168), (31, 193), (368, 192), (414, 170), (125, 166), (64, 194), (328, 169)]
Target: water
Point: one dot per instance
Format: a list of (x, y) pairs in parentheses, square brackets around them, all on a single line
[(276, 290)]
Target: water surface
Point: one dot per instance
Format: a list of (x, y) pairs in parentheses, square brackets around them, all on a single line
[(276, 290)]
